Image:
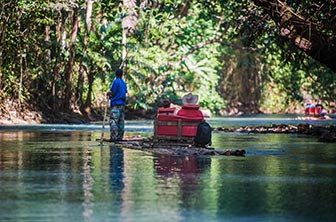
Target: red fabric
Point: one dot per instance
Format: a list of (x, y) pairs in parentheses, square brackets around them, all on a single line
[(311, 110), (192, 118), (168, 118), (172, 130), (167, 130), (194, 113), (318, 110), (189, 130), (175, 118), (307, 111), (190, 106), (166, 110)]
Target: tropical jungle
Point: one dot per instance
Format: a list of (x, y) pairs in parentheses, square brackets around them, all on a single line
[(58, 57)]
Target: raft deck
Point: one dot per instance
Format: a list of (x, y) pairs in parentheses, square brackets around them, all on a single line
[(177, 149)]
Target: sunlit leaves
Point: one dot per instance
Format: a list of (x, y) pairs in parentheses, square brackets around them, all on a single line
[(225, 51)]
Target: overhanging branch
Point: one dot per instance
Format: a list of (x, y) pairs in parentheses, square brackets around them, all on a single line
[(216, 40), (308, 36)]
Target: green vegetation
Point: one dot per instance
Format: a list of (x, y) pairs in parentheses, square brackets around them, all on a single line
[(60, 56)]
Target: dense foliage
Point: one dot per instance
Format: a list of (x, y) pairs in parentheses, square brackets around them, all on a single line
[(60, 55)]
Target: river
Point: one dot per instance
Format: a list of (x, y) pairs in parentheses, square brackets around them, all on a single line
[(60, 173)]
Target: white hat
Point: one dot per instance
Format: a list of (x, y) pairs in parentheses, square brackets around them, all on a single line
[(190, 99)]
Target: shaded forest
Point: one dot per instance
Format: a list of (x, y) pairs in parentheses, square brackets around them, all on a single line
[(58, 58)]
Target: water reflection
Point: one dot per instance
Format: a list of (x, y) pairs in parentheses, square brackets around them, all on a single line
[(67, 176), (87, 184), (183, 171), (116, 168)]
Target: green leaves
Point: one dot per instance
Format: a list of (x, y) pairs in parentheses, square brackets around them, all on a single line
[(228, 52)]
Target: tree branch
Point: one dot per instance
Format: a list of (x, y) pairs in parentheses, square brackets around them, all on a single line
[(216, 40), (308, 36)]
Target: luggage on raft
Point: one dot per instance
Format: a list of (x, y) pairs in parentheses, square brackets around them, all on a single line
[(203, 136)]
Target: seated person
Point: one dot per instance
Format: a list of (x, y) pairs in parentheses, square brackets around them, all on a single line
[(166, 103), (166, 109), (324, 113), (319, 104), (190, 108), (318, 108), (309, 103)]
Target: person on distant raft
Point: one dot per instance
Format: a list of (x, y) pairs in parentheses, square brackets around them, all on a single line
[(117, 95)]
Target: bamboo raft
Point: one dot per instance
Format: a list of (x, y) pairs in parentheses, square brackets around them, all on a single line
[(170, 147)]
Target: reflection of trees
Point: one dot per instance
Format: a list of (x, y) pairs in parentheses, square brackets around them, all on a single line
[(87, 185), (50, 172)]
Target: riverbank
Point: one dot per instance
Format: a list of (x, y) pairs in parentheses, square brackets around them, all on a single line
[(323, 133), (27, 116)]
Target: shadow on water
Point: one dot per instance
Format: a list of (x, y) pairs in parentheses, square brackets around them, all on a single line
[(65, 175)]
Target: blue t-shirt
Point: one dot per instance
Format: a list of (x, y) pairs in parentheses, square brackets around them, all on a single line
[(120, 89)]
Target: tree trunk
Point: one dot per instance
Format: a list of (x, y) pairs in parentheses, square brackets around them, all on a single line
[(82, 70), (72, 57), (85, 107), (128, 25), (185, 8), (89, 5), (301, 32), (89, 92)]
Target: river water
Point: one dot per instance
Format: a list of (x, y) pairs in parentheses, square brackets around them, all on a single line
[(60, 173)]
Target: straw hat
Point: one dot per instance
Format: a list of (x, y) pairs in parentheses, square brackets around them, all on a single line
[(190, 99)]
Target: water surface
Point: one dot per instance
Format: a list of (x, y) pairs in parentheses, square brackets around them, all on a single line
[(60, 173)]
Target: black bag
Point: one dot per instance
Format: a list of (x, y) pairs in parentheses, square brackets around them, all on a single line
[(203, 136)]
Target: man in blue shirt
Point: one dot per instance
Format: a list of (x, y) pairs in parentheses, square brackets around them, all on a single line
[(117, 96)]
